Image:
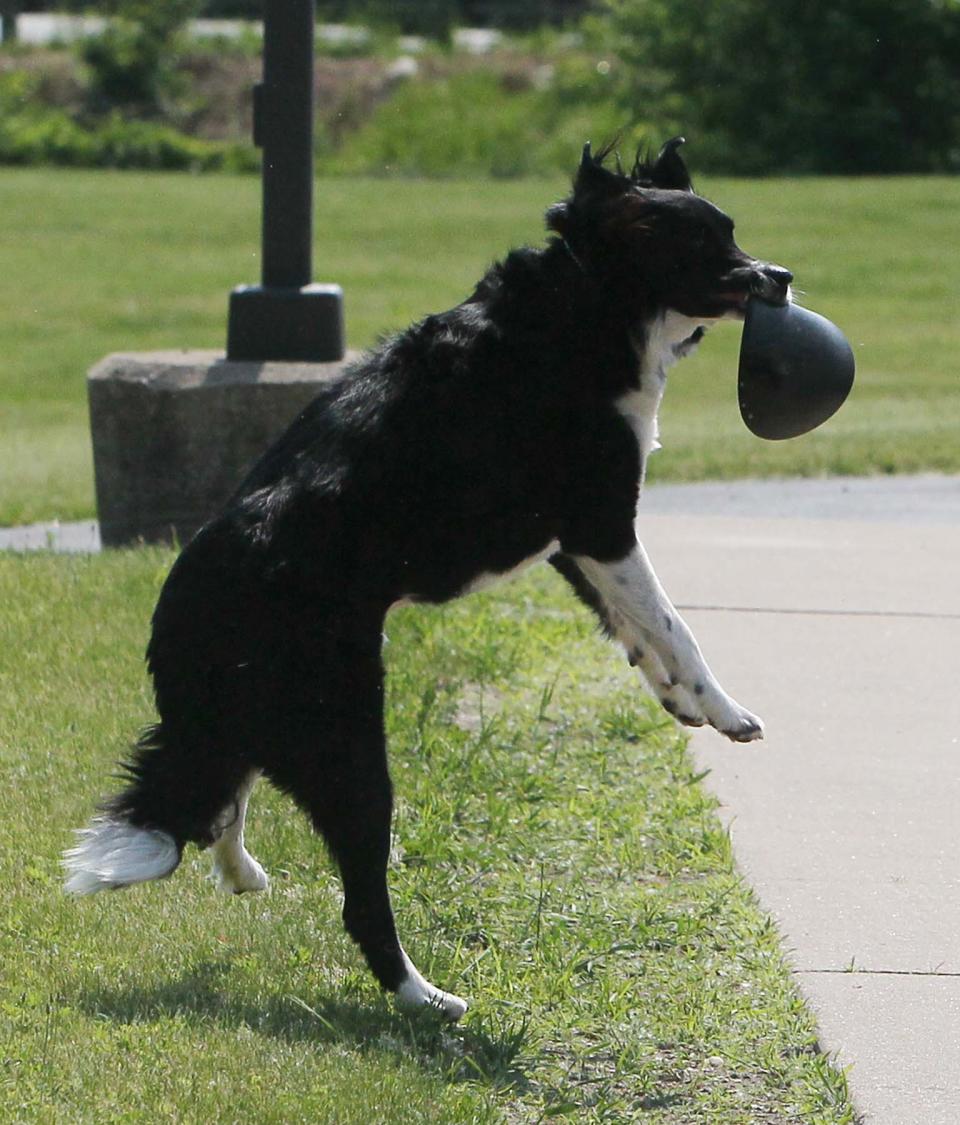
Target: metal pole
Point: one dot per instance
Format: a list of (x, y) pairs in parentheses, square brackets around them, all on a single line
[(287, 317), (286, 111)]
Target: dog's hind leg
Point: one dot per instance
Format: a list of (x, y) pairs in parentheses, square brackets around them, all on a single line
[(362, 855), (339, 777), (235, 871)]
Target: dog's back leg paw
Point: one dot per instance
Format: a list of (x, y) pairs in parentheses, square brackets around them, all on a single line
[(415, 993), (239, 874), (235, 871)]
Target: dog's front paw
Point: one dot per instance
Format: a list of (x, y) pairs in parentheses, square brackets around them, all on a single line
[(723, 714), (746, 728), (695, 699)]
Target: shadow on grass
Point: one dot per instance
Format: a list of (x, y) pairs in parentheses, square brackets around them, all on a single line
[(203, 998)]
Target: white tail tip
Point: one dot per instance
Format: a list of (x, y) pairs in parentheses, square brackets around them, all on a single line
[(113, 853)]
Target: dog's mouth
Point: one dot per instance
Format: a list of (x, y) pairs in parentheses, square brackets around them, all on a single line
[(733, 300), (769, 283), (766, 281)]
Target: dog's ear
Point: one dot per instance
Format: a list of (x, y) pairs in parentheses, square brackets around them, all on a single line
[(591, 175), (669, 170), (593, 184)]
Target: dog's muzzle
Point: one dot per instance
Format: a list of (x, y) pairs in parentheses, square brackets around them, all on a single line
[(769, 282), (759, 279), (756, 279)]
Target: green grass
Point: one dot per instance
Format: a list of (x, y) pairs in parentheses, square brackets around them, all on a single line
[(100, 262), (556, 861)]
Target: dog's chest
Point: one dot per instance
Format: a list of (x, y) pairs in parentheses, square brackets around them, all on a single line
[(668, 339), (639, 409)]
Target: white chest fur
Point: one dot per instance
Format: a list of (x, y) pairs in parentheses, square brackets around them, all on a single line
[(661, 347)]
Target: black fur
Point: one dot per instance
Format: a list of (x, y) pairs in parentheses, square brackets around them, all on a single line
[(465, 445)]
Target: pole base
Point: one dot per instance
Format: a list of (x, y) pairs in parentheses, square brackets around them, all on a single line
[(286, 324), (174, 433)]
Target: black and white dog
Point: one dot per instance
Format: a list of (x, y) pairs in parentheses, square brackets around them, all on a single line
[(512, 428)]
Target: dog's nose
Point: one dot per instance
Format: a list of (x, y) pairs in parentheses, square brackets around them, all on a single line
[(772, 283), (778, 275)]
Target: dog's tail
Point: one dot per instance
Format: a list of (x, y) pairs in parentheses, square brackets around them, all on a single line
[(114, 853), (140, 833)]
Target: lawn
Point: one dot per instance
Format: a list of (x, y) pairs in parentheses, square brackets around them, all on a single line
[(96, 262), (556, 861)]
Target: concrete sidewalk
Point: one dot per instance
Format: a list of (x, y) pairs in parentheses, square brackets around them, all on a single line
[(843, 634), (831, 608), (64, 538)]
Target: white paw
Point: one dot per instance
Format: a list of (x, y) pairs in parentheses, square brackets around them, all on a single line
[(735, 722), (238, 875), (746, 727), (418, 994), (695, 708)]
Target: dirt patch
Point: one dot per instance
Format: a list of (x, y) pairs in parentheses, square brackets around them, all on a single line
[(478, 704)]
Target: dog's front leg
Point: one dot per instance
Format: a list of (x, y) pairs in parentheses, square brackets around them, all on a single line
[(658, 640)]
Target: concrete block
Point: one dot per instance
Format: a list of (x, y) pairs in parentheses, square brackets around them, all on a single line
[(175, 432)]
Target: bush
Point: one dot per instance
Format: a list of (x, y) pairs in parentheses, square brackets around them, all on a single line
[(472, 124), (33, 134), (132, 63), (527, 109), (448, 127), (128, 66), (823, 86)]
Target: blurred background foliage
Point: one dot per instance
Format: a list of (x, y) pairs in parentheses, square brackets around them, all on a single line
[(813, 86), (822, 86)]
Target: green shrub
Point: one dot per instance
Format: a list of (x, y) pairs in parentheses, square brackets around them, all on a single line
[(472, 124), (525, 111), (452, 127), (835, 86), (133, 61), (127, 66), (31, 133), (119, 143)]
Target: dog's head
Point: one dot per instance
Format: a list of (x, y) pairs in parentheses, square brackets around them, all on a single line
[(657, 243)]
